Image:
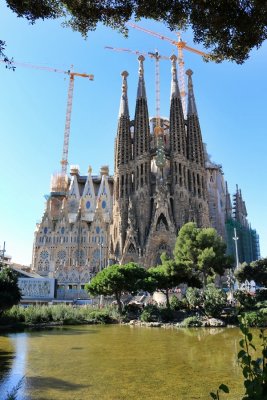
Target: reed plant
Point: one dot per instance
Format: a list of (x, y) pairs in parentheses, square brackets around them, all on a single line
[(59, 314)]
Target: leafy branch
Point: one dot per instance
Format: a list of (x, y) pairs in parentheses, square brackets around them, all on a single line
[(254, 369)]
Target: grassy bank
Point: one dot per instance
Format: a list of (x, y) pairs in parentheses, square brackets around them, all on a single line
[(59, 314)]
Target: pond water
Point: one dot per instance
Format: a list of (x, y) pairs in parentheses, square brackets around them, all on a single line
[(120, 363)]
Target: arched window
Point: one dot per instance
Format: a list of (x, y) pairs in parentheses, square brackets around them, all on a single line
[(162, 223), (131, 249)]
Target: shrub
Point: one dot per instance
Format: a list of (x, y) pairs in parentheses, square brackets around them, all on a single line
[(166, 315), (177, 304), (133, 310), (263, 311), (191, 322), (100, 317), (261, 305), (261, 295), (37, 314), (13, 315), (194, 297), (255, 318), (214, 301), (150, 313), (64, 314), (114, 314), (60, 313), (246, 300)]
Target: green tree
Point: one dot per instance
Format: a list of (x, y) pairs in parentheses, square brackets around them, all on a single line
[(169, 275), (9, 290), (230, 29), (202, 251), (118, 279), (256, 271)]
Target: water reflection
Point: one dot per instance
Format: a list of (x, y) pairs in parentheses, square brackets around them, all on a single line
[(6, 358), (14, 362), (119, 363)]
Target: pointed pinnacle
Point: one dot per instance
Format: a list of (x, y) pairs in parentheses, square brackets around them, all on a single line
[(174, 83), (141, 91), (124, 111)]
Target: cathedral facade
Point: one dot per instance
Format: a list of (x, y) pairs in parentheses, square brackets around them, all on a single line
[(163, 178), (71, 241), (159, 177)]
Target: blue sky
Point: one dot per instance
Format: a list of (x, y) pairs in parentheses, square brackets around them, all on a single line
[(231, 101)]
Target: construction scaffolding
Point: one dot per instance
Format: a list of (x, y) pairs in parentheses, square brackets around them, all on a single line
[(247, 244)]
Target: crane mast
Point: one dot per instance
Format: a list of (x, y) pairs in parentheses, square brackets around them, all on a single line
[(157, 76), (64, 160), (180, 45), (181, 72)]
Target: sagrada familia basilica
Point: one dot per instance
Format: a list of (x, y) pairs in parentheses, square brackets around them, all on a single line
[(163, 178)]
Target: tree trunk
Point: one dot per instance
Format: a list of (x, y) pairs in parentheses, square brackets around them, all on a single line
[(167, 299), (118, 299), (205, 278)]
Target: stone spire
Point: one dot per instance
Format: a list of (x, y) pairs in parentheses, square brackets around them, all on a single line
[(141, 90), (73, 202), (195, 150), (175, 92), (141, 122), (123, 157), (124, 109), (191, 107), (123, 141), (177, 126), (88, 200)]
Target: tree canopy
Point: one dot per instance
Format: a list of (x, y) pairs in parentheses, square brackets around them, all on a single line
[(3, 55), (229, 29), (255, 271), (169, 275), (9, 290), (117, 279), (201, 250)]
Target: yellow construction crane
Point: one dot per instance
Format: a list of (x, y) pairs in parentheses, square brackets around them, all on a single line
[(71, 74), (180, 45), (64, 160), (157, 57)]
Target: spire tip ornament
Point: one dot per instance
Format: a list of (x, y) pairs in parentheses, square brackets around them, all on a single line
[(141, 58), (189, 72)]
